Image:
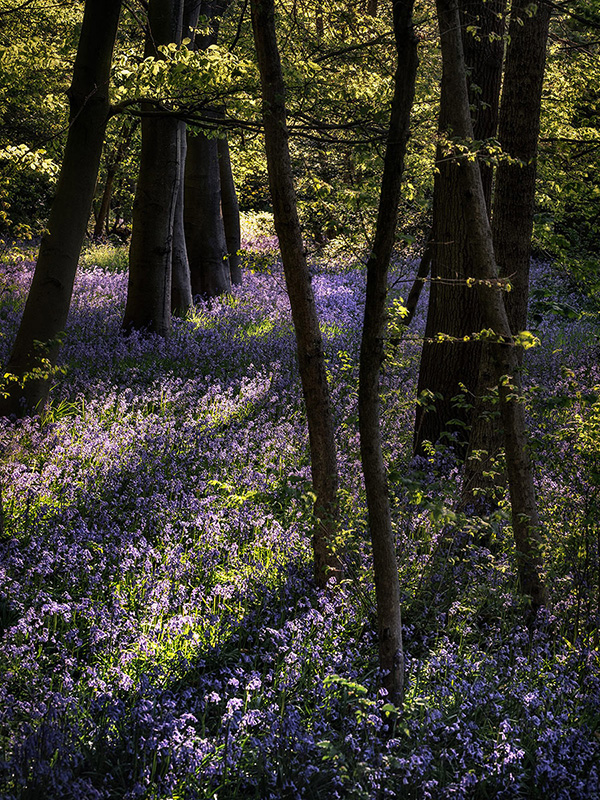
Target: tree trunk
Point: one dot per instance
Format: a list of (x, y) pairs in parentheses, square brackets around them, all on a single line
[(181, 286), (203, 211), (102, 217), (203, 219), (518, 132), (453, 308), (150, 255), (112, 166), (311, 360), (512, 222), (36, 347), (387, 586), (525, 520), (231, 212)]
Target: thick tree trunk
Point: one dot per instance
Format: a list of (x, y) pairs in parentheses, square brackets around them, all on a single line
[(525, 520), (453, 308), (203, 210), (45, 315), (387, 586), (150, 255), (512, 222), (203, 219), (311, 360), (231, 212), (518, 132), (181, 286)]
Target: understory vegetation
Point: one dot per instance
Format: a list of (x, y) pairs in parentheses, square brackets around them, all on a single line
[(161, 634)]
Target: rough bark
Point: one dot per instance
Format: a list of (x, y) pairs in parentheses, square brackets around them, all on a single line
[(45, 315), (512, 221), (453, 308), (518, 133), (526, 525), (306, 324), (231, 212), (387, 586), (150, 255)]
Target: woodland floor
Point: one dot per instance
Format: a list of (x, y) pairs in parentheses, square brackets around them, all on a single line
[(161, 635)]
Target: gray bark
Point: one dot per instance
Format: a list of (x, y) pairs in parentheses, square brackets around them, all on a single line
[(525, 521), (150, 255), (203, 219), (231, 212), (181, 286), (387, 586), (45, 315), (311, 360)]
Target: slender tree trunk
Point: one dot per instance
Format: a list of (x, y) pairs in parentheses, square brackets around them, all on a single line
[(150, 255), (231, 212), (526, 525), (181, 286), (308, 336), (112, 166), (102, 217), (36, 347), (453, 308), (387, 586), (512, 222)]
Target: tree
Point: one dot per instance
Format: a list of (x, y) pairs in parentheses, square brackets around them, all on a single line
[(150, 255), (387, 587), (36, 347), (453, 310), (205, 231), (311, 360), (512, 222), (525, 521)]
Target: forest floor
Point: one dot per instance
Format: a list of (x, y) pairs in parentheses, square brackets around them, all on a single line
[(161, 634)]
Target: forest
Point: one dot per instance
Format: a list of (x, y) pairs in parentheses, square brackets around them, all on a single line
[(300, 399)]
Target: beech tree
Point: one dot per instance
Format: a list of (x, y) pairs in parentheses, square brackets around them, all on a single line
[(44, 318), (150, 254), (385, 566), (309, 342), (503, 350), (450, 355), (512, 221), (208, 180)]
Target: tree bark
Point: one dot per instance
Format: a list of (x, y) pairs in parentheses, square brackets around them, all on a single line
[(526, 525), (231, 212), (512, 221), (36, 347), (203, 219), (181, 286), (203, 210), (112, 165), (150, 255), (387, 586), (453, 308), (311, 360)]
